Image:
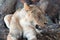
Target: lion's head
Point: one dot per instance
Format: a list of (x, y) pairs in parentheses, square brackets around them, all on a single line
[(38, 15)]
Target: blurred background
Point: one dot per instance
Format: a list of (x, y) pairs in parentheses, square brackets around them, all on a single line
[(10, 6)]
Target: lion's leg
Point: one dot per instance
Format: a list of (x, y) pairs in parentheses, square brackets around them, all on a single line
[(9, 37), (13, 35), (28, 30), (7, 19), (31, 37), (15, 30), (30, 34)]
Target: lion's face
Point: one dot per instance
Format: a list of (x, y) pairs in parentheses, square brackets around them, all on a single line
[(37, 15)]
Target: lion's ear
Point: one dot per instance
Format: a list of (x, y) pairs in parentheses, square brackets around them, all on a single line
[(43, 5), (26, 6)]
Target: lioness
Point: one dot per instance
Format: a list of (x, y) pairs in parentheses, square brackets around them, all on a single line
[(23, 22)]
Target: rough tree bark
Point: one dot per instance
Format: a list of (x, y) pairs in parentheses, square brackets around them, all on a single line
[(6, 7)]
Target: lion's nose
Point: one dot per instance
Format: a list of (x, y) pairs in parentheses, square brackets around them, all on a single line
[(37, 27)]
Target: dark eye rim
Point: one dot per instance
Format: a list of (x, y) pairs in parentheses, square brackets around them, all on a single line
[(29, 2), (45, 23)]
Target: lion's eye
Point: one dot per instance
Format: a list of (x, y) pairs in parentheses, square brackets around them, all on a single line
[(45, 23)]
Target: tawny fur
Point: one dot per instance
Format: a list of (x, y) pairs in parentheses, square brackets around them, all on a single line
[(24, 21)]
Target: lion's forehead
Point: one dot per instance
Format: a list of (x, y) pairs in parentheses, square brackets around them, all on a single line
[(22, 13)]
